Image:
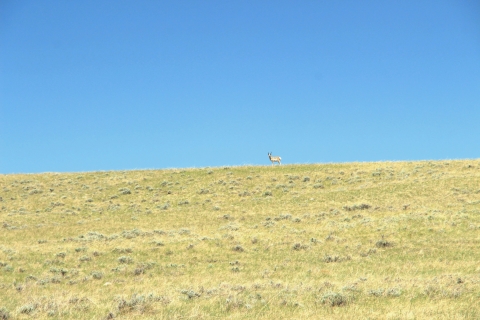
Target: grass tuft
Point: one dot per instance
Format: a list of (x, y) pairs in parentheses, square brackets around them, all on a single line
[(4, 314), (335, 299)]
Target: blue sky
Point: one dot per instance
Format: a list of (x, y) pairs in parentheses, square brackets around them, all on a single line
[(114, 85)]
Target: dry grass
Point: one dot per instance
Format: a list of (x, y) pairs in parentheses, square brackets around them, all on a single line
[(387, 240)]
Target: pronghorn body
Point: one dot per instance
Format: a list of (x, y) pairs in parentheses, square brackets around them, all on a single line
[(274, 158)]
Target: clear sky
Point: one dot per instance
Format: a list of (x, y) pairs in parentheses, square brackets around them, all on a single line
[(113, 85)]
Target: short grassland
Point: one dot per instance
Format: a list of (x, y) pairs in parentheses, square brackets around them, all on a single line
[(386, 240)]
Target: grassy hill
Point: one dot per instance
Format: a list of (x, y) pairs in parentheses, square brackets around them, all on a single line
[(386, 240)]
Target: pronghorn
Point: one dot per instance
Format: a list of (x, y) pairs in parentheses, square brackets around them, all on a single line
[(274, 158)]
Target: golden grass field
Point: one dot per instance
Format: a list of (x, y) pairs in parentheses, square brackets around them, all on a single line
[(385, 240)]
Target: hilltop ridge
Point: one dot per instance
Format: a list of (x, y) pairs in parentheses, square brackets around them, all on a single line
[(310, 240)]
